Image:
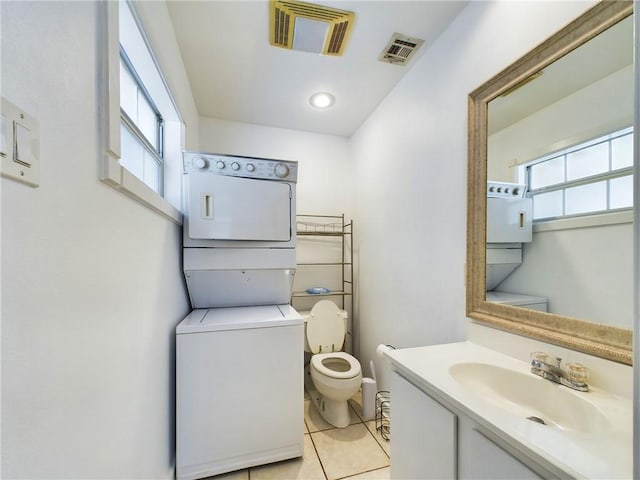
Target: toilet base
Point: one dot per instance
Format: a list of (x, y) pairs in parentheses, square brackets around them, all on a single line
[(334, 412)]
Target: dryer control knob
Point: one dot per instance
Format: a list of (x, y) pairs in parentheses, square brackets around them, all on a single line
[(251, 167), (220, 164), (235, 166), (201, 163), (281, 170)]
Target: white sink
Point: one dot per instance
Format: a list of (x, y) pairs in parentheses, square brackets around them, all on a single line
[(529, 396)]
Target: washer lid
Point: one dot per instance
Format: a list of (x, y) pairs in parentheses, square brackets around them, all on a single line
[(325, 328), (239, 318)]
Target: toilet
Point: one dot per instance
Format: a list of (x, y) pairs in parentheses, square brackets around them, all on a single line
[(335, 376)]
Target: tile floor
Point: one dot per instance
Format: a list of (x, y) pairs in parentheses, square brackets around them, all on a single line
[(356, 452)]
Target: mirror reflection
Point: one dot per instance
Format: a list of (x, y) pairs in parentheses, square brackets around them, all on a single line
[(559, 192)]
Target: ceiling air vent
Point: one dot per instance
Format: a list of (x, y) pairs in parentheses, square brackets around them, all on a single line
[(308, 27), (400, 49)]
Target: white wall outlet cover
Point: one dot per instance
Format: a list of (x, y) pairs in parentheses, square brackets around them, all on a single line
[(20, 146)]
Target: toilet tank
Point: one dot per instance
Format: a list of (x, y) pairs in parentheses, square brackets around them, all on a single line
[(305, 314)]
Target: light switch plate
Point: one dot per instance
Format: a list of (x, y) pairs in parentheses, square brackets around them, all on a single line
[(20, 146)]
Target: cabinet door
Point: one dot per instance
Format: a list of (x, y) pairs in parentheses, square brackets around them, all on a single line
[(424, 434), (480, 458)]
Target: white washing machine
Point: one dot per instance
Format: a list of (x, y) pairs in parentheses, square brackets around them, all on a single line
[(239, 389)]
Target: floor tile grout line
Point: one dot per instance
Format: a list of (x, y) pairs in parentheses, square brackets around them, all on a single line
[(361, 473), (377, 441), (315, 449), (331, 427), (375, 437), (364, 424), (361, 421), (354, 410), (368, 429)]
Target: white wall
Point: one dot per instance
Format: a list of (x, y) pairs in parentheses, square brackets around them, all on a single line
[(584, 272), (91, 282), (410, 176)]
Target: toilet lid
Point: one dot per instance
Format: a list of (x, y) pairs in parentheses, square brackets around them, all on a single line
[(325, 328)]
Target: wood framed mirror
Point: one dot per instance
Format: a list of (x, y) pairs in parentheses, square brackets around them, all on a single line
[(575, 331)]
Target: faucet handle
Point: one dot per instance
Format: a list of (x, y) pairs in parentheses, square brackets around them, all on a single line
[(538, 357), (577, 373)]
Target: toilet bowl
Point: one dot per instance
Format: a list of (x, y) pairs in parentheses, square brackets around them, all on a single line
[(335, 376)]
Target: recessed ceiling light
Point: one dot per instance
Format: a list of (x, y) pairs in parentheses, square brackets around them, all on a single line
[(322, 100)]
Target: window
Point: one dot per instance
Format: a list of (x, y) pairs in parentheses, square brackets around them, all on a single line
[(592, 177), (142, 127)]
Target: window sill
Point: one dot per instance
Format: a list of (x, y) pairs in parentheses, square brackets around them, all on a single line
[(119, 178), (596, 220), (111, 172)]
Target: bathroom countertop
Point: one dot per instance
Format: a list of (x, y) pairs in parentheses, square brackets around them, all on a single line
[(607, 454)]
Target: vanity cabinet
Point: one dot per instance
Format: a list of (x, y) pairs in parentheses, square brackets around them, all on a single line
[(431, 441), (481, 458), (424, 434)]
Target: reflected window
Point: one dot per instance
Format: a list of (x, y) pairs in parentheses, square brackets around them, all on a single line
[(592, 177), (548, 205), (547, 173)]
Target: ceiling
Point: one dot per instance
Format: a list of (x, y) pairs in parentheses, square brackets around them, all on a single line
[(603, 55), (235, 74)]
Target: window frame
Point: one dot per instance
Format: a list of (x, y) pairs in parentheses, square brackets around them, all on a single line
[(156, 151), (110, 170)]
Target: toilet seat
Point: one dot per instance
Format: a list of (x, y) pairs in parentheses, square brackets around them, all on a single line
[(325, 328), (352, 364)]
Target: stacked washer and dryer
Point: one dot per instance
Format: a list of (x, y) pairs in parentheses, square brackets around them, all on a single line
[(509, 226), (239, 368)]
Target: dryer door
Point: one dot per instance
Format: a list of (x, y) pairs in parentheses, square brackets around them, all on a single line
[(235, 208)]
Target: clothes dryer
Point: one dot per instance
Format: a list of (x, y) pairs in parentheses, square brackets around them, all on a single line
[(239, 229)]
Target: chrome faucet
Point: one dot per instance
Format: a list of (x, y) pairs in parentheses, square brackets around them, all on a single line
[(574, 376)]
